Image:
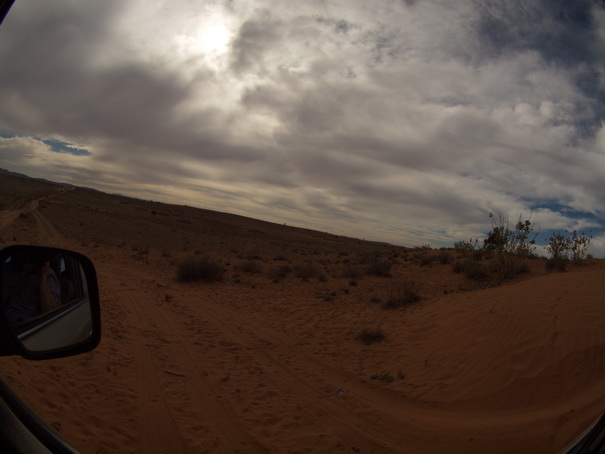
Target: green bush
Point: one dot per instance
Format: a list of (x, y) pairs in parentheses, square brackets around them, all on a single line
[(199, 269)]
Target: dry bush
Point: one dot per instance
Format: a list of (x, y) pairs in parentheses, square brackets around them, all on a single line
[(306, 272), (199, 269), (279, 273), (379, 268), (352, 272), (558, 263), (403, 294), (507, 247), (250, 267), (444, 258), (369, 336), (471, 269), (425, 260)]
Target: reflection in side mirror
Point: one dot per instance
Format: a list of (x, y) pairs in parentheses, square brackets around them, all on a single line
[(50, 301)]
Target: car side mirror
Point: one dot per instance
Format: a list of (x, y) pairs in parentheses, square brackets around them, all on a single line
[(50, 302)]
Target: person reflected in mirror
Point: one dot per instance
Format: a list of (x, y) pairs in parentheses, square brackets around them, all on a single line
[(30, 288)]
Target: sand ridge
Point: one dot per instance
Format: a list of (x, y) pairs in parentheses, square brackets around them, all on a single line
[(252, 365)]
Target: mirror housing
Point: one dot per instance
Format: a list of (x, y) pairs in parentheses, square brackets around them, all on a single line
[(49, 305)]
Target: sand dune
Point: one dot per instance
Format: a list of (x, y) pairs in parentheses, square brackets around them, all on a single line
[(251, 365)]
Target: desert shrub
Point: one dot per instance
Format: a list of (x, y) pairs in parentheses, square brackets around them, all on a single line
[(471, 269), (558, 263), (424, 247), (306, 272), (379, 268), (352, 272), (279, 273), (199, 269), (369, 336), (464, 246), (444, 258), (558, 247), (250, 255), (507, 246), (425, 260), (578, 246), (403, 294), (478, 255), (250, 267), (561, 248), (383, 376)]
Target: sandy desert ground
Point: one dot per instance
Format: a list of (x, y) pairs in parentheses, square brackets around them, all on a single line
[(265, 363)]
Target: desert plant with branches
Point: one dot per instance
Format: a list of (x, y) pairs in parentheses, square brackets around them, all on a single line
[(578, 246), (558, 246), (561, 247), (508, 245)]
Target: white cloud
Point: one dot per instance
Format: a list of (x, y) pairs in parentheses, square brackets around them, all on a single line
[(399, 121)]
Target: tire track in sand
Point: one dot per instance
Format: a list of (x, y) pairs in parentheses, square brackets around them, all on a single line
[(45, 231), (176, 389), (298, 379)]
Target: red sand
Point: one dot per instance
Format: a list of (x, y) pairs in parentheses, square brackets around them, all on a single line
[(249, 365)]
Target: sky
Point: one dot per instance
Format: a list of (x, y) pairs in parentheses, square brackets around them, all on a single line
[(405, 121)]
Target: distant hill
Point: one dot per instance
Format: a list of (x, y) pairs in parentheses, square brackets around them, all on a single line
[(20, 175), (17, 191)]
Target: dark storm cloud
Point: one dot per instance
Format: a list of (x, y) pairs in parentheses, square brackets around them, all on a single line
[(566, 34)]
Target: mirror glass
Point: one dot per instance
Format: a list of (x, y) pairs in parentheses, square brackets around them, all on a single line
[(45, 298)]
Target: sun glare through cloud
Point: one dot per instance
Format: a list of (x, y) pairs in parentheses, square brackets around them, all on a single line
[(214, 38)]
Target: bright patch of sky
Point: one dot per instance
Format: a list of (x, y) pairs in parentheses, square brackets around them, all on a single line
[(400, 121)]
